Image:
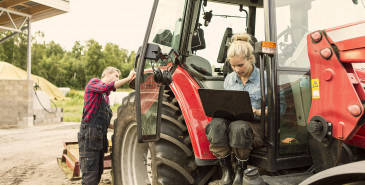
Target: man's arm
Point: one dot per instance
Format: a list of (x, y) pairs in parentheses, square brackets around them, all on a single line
[(98, 86), (121, 82)]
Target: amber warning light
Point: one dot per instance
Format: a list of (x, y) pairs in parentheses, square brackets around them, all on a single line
[(265, 47)]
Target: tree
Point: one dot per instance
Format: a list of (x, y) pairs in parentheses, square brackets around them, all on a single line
[(15, 49), (7, 48), (66, 68), (94, 61), (38, 55), (54, 49), (74, 71), (46, 62), (78, 78), (113, 56), (129, 64), (77, 50)]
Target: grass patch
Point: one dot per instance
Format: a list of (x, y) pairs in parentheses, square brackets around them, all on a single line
[(74, 104)]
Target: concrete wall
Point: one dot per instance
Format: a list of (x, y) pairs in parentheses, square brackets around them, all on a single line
[(44, 113), (17, 107), (16, 102), (41, 101), (42, 117)]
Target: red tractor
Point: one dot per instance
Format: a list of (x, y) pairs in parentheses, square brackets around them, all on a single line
[(312, 61)]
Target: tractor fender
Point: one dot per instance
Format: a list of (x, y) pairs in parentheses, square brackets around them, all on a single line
[(185, 89), (348, 173)]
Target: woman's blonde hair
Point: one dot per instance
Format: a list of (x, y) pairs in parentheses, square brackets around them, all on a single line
[(241, 46), (109, 70)]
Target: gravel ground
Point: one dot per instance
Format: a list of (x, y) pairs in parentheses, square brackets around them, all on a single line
[(29, 155)]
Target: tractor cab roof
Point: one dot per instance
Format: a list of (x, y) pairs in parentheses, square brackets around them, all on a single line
[(256, 3)]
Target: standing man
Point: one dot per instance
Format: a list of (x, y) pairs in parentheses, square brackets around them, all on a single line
[(92, 138)]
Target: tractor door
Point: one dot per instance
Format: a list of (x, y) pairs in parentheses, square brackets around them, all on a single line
[(293, 21), (162, 37), (293, 80)]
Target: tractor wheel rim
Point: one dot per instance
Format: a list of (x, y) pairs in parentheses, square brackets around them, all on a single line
[(133, 158)]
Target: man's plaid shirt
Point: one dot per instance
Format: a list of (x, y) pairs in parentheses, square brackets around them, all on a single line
[(93, 94)]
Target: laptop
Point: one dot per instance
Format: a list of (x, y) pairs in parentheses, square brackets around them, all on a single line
[(228, 104)]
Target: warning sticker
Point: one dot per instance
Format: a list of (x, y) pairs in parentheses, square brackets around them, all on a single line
[(315, 88)]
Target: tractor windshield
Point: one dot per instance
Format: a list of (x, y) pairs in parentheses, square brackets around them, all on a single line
[(167, 24), (223, 17), (296, 18)]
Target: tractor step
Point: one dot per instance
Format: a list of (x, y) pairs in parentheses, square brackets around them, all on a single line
[(69, 162)]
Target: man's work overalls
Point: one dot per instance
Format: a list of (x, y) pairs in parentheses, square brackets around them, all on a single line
[(93, 143)]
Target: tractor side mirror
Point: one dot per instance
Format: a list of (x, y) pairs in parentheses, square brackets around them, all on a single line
[(198, 40), (153, 52), (222, 55)]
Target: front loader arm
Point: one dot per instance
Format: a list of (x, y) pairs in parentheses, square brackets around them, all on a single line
[(336, 113), (337, 93)]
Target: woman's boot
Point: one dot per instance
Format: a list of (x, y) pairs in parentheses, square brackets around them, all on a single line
[(227, 171), (240, 167)]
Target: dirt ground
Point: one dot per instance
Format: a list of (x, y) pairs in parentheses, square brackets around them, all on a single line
[(29, 155)]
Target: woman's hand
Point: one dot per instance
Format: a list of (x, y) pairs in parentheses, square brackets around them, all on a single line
[(257, 112)]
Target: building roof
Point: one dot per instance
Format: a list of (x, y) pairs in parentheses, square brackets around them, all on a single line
[(15, 13)]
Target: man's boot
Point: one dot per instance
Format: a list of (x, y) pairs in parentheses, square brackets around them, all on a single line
[(227, 171), (240, 167)]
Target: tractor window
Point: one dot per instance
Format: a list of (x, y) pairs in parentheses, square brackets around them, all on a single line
[(167, 24), (297, 96), (224, 16), (296, 19)]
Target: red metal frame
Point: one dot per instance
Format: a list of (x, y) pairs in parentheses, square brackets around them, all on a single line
[(185, 89), (361, 74), (339, 85), (71, 160)]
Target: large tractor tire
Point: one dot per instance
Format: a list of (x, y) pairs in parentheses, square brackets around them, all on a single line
[(168, 161)]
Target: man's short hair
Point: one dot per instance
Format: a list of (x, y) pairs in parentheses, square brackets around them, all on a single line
[(109, 70)]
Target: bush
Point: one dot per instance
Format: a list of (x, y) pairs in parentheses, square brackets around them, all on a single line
[(73, 94)]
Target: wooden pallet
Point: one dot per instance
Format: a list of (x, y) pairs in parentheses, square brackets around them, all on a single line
[(70, 158)]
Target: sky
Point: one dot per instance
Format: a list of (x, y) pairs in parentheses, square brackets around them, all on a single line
[(124, 22), (120, 22)]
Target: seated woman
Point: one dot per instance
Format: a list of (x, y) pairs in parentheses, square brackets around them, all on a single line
[(238, 136)]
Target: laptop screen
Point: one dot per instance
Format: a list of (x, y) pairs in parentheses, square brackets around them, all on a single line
[(227, 104)]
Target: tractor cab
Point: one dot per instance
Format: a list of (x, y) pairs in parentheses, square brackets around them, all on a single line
[(185, 49), (286, 138)]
